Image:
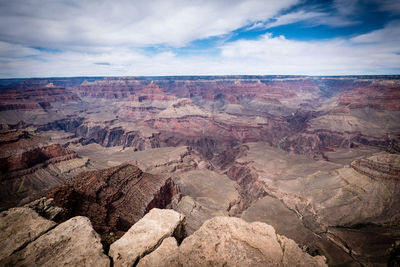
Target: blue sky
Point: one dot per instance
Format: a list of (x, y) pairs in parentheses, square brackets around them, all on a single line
[(46, 38)]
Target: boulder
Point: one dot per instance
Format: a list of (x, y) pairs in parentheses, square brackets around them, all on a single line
[(146, 235), (229, 241), (18, 227), (72, 243)]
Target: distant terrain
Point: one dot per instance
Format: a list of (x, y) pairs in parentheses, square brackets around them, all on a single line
[(317, 158)]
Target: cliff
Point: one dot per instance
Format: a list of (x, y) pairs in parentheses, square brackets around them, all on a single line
[(114, 198)]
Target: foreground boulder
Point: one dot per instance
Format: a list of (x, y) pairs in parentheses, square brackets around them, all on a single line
[(146, 235), (72, 243), (220, 241), (18, 227)]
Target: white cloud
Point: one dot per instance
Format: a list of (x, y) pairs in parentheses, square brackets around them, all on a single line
[(390, 36), (61, 24), (114, 34), (267, 55)]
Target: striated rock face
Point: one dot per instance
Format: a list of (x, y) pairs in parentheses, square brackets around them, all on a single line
[(144, 236), (379, 166), (34, 97), (153, 92), (183, 107), (72, 243), (114, 198), (108, 88), (18, 227), (20, 164), (228, 241), (46, 207), (31, 165)]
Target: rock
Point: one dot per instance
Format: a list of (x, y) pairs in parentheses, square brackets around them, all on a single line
[(18, 227), (114, 198), (72, 243), (144, 236), (45, 207), (229, 241), (163, 254)]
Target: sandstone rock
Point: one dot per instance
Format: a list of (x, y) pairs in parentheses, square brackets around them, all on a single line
[(228, 241), (115, 198), (45, 207), (165, 253), (72, 243), (18, 227), (144, 236)]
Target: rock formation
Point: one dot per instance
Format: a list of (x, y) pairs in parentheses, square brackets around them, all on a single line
[(30, 165), (114, 198), (20, 226), (144, 236), (72, 243), (315, 157), (155, 240), (221, 241)]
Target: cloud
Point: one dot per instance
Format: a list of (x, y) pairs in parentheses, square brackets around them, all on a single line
[(364, 54), (74, 23), (47, 38), (390, 36), (266, 55), (311, 18)]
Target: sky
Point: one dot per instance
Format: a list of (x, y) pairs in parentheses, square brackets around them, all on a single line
[(61, 38)]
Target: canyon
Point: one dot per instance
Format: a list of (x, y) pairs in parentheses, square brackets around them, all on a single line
[(311, 162)]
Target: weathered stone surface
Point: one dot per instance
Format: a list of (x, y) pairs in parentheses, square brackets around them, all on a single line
[(144, 236), (45, 207), (166, 252), (18, 227), (72, 243), (229, 241)]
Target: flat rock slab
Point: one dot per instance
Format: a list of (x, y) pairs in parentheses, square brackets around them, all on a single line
[(18, 227), (72, 243), (146, 235)]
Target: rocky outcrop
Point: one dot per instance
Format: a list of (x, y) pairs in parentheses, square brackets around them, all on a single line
[(72, 243), (183, 107), (155, 240), (153, 92), (31, 164), (147, 234), (46, 207), (379, 166), (228, 241), (115, 198), (29, 161), (20, 226)]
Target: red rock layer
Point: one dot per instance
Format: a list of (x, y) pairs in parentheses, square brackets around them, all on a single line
[(384, 166), (27, 161), (382, 97), (153, 92), (114, 198), (34, 98), (110, 88)]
